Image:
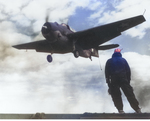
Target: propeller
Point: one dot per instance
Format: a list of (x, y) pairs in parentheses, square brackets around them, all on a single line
[(45, 28), (48, 11), (47, 16), (35, 34)]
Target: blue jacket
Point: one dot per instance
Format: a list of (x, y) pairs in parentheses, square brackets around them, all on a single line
[(117, 67)]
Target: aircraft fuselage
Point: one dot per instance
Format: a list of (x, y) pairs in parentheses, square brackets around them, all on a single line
[(59, 42)]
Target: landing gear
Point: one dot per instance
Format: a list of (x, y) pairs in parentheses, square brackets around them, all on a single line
[(76, 53), (49, 58), (90, 58), (75, 49)]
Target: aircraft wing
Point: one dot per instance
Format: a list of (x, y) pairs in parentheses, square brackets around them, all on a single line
[(95, 36), (39, 46)]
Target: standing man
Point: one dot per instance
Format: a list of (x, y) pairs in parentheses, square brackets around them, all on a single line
[(117, 73)]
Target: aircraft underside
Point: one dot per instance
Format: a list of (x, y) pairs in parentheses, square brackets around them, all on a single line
[(66, 47)]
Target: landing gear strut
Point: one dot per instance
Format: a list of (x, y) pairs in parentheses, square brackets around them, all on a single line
[(76, 54), (49, 58), (75, 51)]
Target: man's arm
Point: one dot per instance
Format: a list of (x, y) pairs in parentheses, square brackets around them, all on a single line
[(128, 71), (107, 75), (106, 71)]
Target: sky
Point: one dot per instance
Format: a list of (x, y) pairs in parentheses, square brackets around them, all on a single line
[(30, 84)]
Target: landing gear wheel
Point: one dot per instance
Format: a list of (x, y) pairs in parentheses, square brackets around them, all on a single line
[(49, 58), (76, 53)]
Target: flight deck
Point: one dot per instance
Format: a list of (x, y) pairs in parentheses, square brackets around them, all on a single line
[(77, 116)]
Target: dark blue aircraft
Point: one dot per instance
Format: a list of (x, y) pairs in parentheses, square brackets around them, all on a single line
[(61, 39)]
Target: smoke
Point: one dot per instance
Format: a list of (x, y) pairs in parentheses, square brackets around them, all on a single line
[(140, 77)]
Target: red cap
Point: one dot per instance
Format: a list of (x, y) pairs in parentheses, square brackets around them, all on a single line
[(117, 50)]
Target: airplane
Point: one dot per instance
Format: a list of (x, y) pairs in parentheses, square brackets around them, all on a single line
[(61, 39)]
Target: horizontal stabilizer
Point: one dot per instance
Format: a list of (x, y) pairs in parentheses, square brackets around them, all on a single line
[(106, 47)]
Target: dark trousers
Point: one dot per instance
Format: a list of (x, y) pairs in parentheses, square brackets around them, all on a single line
[(118, 83)]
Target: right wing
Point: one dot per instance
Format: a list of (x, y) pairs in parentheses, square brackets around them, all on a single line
[(93, 37), (39, 46)]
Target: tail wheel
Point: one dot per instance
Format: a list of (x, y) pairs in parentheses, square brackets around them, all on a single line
[(49, 58), (76, 53)]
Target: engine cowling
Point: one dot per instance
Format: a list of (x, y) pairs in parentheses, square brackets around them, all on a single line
[(50, 32)]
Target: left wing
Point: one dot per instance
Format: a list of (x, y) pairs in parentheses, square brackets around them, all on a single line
[(95, 36), (39, 46)]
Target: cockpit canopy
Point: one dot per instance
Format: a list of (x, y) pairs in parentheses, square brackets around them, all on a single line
[(67, 26)]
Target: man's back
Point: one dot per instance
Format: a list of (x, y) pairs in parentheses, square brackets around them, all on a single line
[(117, 66)]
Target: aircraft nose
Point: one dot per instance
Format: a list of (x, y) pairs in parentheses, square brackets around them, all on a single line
[(46, 28)]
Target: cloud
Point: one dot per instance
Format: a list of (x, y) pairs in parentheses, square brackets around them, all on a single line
[(122, 10), (68, 85)]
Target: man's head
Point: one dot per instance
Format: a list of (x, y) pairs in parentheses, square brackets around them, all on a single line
[(117, 53), (117, 50)]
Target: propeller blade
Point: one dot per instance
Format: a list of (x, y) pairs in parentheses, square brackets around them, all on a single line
[(48, 14), (47, 17)]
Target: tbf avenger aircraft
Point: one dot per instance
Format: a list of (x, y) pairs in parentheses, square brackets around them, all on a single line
[(59, 38)]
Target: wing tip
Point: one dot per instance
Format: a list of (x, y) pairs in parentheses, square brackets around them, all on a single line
[(142, 18), (15, 46)]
